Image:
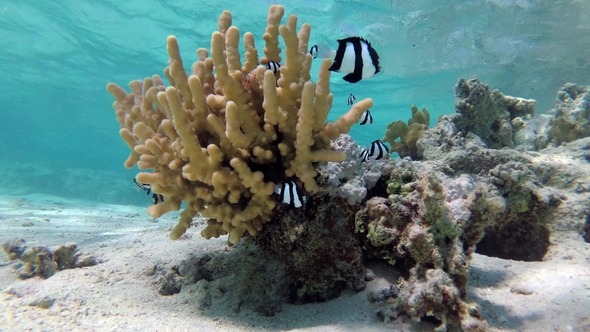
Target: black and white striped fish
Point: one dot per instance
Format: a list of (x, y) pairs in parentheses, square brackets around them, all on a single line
[(314, 51), (351, 99), (271, 65), (157, 198), (290, 193), (355, 57), (366, 118), (377, 151), (364, 155), (143, 186)]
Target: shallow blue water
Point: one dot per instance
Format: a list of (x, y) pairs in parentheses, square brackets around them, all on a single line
[(58, 129)]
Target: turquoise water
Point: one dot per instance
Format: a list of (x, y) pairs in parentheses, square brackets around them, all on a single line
[(58, 130)]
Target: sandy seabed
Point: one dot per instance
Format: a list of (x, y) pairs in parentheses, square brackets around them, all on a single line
[(118, 295)]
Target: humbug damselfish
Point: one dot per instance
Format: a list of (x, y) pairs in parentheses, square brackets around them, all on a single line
[(354, 57)]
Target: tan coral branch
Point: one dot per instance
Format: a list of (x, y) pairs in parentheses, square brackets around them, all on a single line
[(217, 134), (271, 36)]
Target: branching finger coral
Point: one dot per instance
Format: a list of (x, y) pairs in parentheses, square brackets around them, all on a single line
[(222, 136), (409, 134)]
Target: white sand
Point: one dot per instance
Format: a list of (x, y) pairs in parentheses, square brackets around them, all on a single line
[(118, 294)]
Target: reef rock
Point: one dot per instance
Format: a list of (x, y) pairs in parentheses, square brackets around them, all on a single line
[(428, 227), (586, 231), (489, 114), (534, 134), (322, 254), (476, 187), (572, 114), (352, 179), (242, 278), (568, 121)]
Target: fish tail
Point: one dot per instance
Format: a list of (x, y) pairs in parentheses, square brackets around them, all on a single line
[(325, 51)]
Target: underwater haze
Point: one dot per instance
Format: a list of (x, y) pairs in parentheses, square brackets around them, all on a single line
[(59, 132)]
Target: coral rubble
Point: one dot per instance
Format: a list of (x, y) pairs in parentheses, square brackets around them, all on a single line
[(43, 261), (219, 138)]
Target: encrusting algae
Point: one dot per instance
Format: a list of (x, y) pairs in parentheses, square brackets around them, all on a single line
[(222, 136)]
